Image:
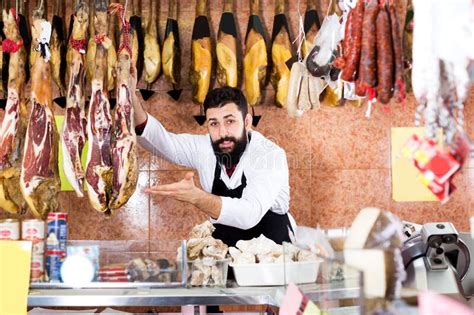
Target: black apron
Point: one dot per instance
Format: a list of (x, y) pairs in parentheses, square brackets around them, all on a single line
[(273, 225)]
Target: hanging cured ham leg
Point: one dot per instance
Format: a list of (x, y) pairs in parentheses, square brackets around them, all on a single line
[(39, 181), (99, 126), (281, 53), (255, 57), (73, 135), (152, 53), (171, 53), (201, 54), (226, 48), (13, 127)]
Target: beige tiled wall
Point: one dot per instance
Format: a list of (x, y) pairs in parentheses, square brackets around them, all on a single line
[(339, 160)]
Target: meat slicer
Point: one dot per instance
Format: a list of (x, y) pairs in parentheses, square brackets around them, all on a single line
[(438, 258)]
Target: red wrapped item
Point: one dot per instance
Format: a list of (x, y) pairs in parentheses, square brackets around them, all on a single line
[(437, 165), (114, 273)]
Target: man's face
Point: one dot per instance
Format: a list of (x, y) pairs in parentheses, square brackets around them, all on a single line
[(228, 130)]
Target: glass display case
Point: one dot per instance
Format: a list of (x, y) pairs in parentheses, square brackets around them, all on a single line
[(117, 264), (336, 288)]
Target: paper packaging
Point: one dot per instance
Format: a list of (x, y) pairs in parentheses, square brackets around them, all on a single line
[(90, 251), (14, 274)]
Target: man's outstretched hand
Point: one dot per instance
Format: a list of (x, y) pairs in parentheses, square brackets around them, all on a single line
[(185, 190)]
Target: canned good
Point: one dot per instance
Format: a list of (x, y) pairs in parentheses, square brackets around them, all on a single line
[(54, 260), (38, 247), (57, 231), (32, 230), (37, 268), (9, 229)]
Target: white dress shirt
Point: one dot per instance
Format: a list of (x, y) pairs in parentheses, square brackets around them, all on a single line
[(263, 162)]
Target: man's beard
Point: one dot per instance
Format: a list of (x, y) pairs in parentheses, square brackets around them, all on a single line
[(231, 158)]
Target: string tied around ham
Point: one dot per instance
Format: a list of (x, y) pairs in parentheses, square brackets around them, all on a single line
[(78, 44), (99, 38), (10, 46), (119, 9)]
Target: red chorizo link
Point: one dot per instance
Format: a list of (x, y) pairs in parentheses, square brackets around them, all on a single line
[(352, 57), (397, 44), (368, 69), (384, 57), (348, 35)]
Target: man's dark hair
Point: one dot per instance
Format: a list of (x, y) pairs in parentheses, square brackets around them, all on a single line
[(220, 97)]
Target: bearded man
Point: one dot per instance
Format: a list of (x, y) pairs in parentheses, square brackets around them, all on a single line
[(244, 176)]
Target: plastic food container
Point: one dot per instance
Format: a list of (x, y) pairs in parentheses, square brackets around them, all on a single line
[(276, 273), (207, 272)]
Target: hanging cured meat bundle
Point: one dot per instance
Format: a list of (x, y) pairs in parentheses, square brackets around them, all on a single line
[(39, 180), (73, 135), (311, 26), (255, 57), (201, 54), (124, 142), (78, 35), (226, 48), (281, 53), (171, 54), (152, 54), (13, 126)]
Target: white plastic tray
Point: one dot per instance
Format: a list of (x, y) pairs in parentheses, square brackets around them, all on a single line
[(274, 273)]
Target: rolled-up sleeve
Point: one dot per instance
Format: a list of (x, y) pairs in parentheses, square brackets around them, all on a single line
[(180, 149), (267, 180)]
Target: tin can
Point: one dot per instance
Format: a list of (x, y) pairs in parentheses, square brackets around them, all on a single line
[(9, 229), (37, 268), (32, 230), (54, 260), (57, 231)]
